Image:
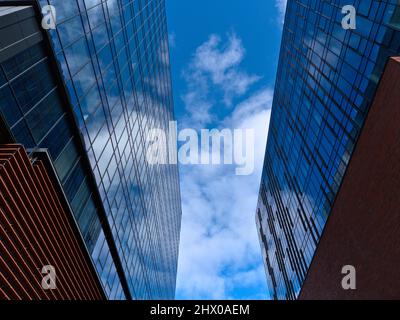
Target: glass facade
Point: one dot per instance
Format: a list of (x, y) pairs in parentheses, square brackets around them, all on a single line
[(326, 81), (114, 60)]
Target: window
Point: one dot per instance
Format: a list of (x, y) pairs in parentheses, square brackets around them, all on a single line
[(44, 115), (8, 106)]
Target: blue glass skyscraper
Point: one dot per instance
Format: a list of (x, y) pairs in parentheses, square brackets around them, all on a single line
[(326, 81), (89, 91)]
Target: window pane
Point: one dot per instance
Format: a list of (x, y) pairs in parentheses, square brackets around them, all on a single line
[(8, 106), (44, 115)]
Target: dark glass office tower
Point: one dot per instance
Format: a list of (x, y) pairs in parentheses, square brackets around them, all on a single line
[(89, 91), (326, 82)]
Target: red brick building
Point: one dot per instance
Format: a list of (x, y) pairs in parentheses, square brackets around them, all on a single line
[(37, 229), (364, 227)]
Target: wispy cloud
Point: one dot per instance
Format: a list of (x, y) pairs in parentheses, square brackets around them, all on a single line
[(220, 256), (215, 65)]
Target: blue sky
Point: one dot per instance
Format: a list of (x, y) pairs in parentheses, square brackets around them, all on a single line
[(224, 57)]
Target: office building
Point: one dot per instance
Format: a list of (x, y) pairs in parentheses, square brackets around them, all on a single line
[(87, 92), (326, 82), (364, 226), (42, 253)]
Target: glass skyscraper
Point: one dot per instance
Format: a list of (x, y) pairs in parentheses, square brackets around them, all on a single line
[(326, 81), (89, 91)]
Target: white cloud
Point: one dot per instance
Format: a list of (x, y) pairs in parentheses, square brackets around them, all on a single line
[(220, 251), (220, 254), (215, 65)]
